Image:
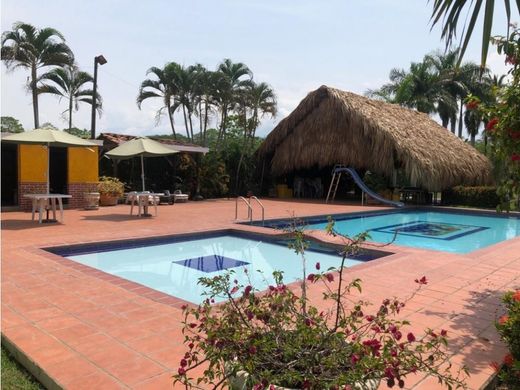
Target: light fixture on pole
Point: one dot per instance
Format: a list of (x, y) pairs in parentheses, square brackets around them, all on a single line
[(101, 61)]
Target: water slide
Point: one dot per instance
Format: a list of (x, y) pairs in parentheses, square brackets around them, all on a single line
[(367, 190)]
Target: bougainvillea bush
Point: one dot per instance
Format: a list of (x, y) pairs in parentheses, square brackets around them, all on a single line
[(503, 123), (262, 340), (508, 327)]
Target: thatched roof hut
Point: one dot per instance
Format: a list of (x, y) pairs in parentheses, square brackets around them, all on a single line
[(332, 127)]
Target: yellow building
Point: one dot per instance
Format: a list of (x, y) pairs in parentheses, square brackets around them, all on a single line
[(72, 171)]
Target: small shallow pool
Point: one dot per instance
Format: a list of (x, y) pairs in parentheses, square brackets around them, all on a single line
[(461, 232), (175, 267)]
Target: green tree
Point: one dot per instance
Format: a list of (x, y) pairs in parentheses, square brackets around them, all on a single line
[(448, 12), (11, 125), (231, 78), (163, 87), (25, 46), (68, 83), (81, 133)]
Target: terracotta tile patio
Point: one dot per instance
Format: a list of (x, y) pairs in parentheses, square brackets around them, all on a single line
[(87, 330)]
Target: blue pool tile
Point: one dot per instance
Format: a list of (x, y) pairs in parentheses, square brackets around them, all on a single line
[(434, 230), (211, 263)]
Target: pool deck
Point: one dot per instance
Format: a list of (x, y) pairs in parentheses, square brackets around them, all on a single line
[(83, 329)]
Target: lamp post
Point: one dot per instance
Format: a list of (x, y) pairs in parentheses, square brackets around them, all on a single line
[(101, 61)]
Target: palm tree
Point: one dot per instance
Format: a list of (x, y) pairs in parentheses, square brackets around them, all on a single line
[(259, 100), (31, 48), (68, 83), (447, 12), (203, 97), (232, 76), (162, 86)]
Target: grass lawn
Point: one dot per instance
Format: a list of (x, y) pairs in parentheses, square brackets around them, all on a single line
[(14, 376)]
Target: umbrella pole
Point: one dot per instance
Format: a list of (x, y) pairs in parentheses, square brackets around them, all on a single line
[(48, 167), (142, 170)]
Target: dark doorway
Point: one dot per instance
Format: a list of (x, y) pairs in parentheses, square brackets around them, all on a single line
[(58, 171), (9, 174)]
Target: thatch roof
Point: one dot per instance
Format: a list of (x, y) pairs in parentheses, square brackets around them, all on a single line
[(331, 126)]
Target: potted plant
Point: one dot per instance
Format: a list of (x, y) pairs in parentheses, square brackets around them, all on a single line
[(278, 340), (110, 190)]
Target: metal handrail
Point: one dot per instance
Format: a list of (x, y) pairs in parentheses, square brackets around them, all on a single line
[(249, 208), (261, 205)]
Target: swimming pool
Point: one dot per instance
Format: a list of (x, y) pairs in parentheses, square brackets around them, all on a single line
[(174, 266), (443, 231)]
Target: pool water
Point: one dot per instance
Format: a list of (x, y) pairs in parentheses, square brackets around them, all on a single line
[(175, 268), (443, 231)]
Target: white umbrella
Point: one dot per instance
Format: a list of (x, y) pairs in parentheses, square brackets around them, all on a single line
[(143, 147), (48, 138)]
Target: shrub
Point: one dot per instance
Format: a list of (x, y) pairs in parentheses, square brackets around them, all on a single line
[(258, 340), (508, 327), (111, 186), (471, 196)]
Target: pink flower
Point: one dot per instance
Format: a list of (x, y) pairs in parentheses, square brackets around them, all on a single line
[(508, 360), (491, 124), (252, 349), (369, 318), (247, 290), (411, 338), (184, 362), (181, 371), (184, 307), (444, 332), (191, 345), (234, 290), (249, 315), (515, 157), (330, 277), (193, 325), (311, 277), (423, 280), (318, 266), (354, 359)]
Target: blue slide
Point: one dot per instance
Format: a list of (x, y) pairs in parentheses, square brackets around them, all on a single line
[(367, 190)]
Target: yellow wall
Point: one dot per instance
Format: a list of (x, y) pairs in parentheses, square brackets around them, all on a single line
[(32, 163), (83, 165)]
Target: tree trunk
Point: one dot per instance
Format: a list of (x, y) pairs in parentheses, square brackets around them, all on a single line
[(460, 117), (170, 116), (453, 123), (241, 160), (70, 112), (190, 114), (34, 96), (445, 122), (186, 121), (472, 139), (200, 121), (206, 108)]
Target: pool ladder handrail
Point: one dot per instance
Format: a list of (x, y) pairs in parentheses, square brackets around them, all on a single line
[(249, 208), (261, 205)]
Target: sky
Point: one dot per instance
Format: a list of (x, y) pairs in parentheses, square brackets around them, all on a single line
[(294, 45)]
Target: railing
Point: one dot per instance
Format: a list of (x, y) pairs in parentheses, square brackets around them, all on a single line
[(249, 208), (261, 205)]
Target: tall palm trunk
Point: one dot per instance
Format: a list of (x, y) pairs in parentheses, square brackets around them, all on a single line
[(472, 140), (190, 114), (70, 111), (242, 153), (453, 123), (186, 121), (34, 96), (206, 110), (460, 117), (170, 116)]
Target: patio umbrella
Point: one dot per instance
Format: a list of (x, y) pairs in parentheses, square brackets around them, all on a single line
[(143, 147), (48, 138)]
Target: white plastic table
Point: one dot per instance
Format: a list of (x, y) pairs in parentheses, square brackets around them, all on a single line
[(41, 201), (142, 199)]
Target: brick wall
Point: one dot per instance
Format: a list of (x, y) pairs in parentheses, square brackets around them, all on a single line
[(77, 190), (29, 188)]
